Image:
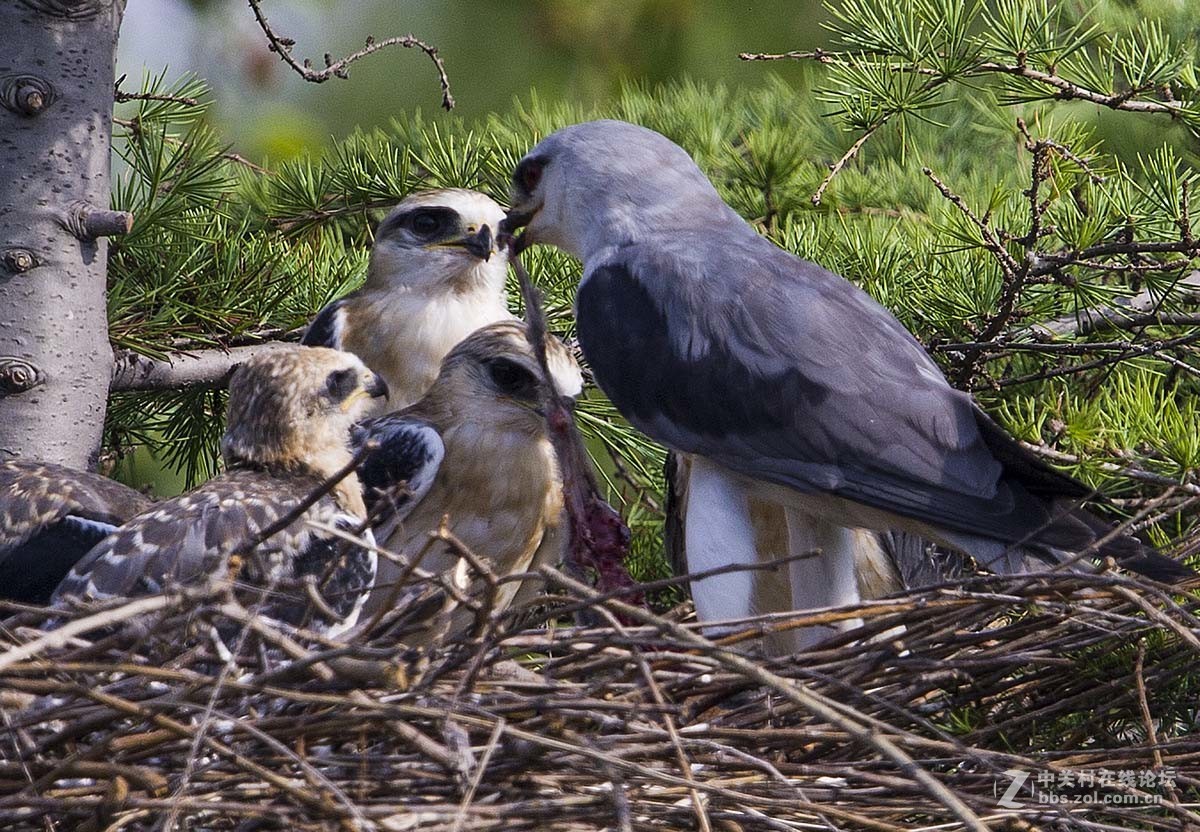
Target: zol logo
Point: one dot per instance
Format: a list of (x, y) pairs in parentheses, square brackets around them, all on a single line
[(1018, 780)]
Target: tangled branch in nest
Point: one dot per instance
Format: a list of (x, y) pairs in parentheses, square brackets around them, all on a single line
[(910, 722)]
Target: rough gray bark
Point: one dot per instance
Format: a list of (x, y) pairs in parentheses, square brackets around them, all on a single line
[(56, 98)]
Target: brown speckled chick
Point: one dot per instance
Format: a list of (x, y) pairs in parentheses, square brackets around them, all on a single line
[(476, 450), (290, 413), (50, 516)]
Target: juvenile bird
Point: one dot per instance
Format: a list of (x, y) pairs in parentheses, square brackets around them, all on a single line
[(50, 516), (476, 450), (290, 415), (783, 382), (435, 276)]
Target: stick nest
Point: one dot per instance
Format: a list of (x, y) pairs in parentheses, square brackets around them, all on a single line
[(129, 716)]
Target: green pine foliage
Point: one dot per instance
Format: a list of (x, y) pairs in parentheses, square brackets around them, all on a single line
[(226, 252)]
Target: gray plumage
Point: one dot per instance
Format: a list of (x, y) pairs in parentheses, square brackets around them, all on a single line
[(716, 342)]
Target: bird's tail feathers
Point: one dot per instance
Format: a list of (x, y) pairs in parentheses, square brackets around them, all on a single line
[(1072, 532), (1076, 530)]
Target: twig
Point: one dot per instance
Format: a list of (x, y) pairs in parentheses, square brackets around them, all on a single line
[(120, 96), (469, 794), (81, 626), (282, 46), (1133, 351), (795, 693), (685, 765), (1131, 471), (818, 55), (195, 368), (135, 127), (837, 166), (1064, 89), (326, 486)]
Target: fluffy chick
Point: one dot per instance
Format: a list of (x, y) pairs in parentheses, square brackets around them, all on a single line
[(475, 450), (435, 276), (290, 412)]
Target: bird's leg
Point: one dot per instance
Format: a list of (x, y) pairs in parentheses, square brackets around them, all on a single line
[(718, 533), (827, 580)]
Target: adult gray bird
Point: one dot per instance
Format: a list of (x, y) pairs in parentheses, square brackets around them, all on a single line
[(782, 381), (50, 517), (290, 415), (434, 277)]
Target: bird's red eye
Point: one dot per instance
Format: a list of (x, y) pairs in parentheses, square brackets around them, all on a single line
[(528, 174)]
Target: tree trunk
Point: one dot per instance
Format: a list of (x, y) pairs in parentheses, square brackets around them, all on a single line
[(56, 100)]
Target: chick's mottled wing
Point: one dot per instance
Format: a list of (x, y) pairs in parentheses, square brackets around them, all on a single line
[(50, 517), (180, 539), (786, 373), (328, 328), (400, 467)]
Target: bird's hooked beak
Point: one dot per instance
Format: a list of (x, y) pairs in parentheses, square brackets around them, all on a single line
[(481, 243), (374, 389), (516, 219), (377, 388)]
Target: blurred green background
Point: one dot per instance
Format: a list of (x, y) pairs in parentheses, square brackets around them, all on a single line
[(494, 50)]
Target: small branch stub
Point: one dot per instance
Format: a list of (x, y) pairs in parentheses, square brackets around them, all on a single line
[(26, 95), (18, 376), (18, 260), (88, 223)]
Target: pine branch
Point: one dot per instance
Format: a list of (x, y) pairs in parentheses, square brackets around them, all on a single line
[(948, 52), (282, 46), (197, 369), (120, 96), (1064, 89), (1018, 274)]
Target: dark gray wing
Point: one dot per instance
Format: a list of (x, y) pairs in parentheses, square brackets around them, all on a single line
[(340, 573), (399, 470), (184, 538), (50, 517), (918, 562), (785, 372), (326, 330)]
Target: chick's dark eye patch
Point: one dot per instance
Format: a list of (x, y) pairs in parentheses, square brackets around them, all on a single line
[(426, 223), (340, 384)]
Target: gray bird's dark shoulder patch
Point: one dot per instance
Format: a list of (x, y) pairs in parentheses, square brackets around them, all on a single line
[(786, 373), (327, 327)]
